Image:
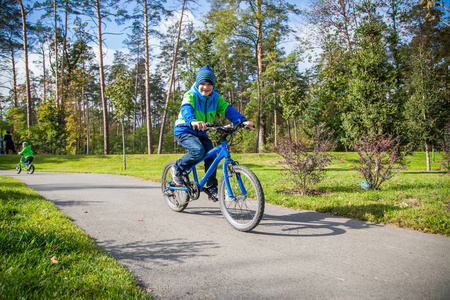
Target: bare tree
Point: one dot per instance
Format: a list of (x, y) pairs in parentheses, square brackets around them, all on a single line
[(102, 80), (27, 73), (164, 120)]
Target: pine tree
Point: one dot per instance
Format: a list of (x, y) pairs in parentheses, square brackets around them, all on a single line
[(369, 106)]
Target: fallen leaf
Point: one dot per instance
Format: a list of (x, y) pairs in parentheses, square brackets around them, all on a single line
[(54, 260)]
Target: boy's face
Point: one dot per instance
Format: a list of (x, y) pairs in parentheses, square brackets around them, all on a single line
[(205, 88)]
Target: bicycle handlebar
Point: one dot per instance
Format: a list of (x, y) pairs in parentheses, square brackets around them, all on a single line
[(228, 127)]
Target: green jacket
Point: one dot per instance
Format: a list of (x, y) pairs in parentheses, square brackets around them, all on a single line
[(196, 107), (26, 151)]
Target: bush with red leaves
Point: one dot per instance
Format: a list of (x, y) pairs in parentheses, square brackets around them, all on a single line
[(305, 163), (380, 158)]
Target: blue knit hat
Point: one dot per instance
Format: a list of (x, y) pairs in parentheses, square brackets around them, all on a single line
[(205, 74)]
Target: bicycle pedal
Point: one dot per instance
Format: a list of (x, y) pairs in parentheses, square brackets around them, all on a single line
[(213, 199)]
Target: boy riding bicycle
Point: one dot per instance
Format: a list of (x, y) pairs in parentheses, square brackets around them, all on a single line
[(200, 105)]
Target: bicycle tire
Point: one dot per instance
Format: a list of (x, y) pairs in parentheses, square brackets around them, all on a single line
[(18, 169), (176, 200), (31, 169), (244, 213)]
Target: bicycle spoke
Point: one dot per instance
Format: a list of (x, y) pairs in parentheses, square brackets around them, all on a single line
[(245, 210), (176, 200)]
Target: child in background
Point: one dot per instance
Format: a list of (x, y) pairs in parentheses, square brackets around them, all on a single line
[(27, 153)]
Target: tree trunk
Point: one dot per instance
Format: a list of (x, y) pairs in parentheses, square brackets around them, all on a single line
[(260, 133), (27, 73), (166, 106), (123, 146), (63, 81), (56, 54), (102, 82), (288, 123), (44, 74), (433, 153), (147, 87), (13, 62), (427, 150)]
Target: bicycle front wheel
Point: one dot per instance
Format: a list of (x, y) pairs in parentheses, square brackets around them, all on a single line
[(176, 200), (245, 210), (18, 168)]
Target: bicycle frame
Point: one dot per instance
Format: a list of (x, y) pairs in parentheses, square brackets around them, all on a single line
[(223, 153)]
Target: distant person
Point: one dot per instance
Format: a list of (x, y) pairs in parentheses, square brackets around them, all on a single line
[(8, 143), (27, 153)]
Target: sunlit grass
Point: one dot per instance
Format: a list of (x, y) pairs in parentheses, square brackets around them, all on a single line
[(43, 255)]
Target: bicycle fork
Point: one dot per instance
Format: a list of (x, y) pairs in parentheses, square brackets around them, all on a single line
[(229, 172)]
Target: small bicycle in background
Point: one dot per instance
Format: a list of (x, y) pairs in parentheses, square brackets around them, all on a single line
[(21, 165), (241, 196)]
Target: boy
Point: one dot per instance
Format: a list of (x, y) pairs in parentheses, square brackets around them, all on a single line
[(27, 153), (200, 105)]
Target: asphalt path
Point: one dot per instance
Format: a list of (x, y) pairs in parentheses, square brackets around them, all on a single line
[(292, 254)]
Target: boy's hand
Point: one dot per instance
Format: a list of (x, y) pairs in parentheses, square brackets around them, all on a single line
[(249, 124), (198, 125)]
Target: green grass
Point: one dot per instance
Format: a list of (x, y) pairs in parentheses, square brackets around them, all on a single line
[(414, 198), (43, 255)]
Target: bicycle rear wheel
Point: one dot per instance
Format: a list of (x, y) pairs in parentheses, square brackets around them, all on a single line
[(245, 211), (18, 168), (30, 169), (176, 200)]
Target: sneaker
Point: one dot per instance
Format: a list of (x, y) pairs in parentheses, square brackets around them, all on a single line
[(176, 179), (212, 193)]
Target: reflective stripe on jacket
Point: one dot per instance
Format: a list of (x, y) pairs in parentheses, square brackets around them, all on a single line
[(196, 107)]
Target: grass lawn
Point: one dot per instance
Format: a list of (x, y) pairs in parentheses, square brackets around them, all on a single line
[(43, 255), (414, 198)]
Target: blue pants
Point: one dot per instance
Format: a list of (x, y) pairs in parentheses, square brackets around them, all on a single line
[(196, 146), (28, 160)]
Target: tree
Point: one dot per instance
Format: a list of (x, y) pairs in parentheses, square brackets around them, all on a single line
[(434, 11), (426, 106), (172, 73), (10, 43), (121, 94), (371, 82), (261, 24), (24, 13), (103, 10), (150, 13)]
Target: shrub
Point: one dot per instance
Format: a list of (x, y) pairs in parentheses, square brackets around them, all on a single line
[(380, 158), (305, 163), (444, 146)]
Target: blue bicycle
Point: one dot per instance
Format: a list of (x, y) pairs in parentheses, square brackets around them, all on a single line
[(240, 194)]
